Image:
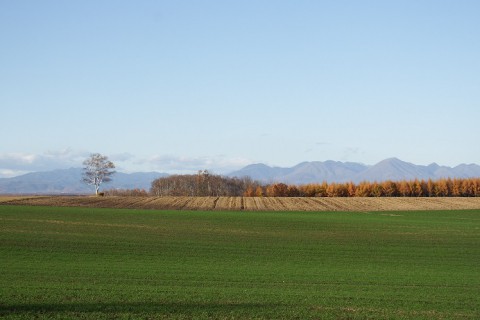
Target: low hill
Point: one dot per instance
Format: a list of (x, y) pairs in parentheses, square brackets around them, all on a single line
[(69, 181)]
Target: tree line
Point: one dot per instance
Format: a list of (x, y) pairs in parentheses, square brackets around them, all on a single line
[(206, 184), (469, 187)]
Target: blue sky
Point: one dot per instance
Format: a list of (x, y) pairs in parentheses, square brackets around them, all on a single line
[(178, 86)]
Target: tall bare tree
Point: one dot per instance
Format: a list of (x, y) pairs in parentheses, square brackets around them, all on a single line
[(97, 170)]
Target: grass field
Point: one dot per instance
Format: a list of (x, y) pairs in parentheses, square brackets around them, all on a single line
[(114, 263)]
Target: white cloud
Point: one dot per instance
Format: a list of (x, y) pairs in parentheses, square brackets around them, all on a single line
[(13, 164), (121, 157), (5, 173), (184, 164)]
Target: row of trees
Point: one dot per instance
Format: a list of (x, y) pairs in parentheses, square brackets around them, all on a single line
[(405, 188), (205, 184)]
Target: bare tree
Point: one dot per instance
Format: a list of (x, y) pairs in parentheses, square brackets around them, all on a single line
[(97, 169)]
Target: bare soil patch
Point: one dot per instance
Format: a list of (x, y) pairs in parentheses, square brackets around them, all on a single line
[(249, 203), (4, 199)]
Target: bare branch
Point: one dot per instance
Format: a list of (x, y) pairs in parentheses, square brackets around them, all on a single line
[(97, 170)]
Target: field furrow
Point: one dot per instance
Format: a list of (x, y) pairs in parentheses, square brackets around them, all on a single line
[(250, 203)]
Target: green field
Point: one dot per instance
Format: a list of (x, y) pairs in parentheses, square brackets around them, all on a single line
[(105, 263)]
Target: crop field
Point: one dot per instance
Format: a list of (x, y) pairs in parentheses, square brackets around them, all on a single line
[(12, 198), (254, 203), (125, 264)]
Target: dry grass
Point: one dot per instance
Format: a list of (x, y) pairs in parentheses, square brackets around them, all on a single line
[(250, 204), (12, 198)]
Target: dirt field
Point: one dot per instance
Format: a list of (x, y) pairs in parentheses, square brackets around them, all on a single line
[(11, 198), (250, 204)]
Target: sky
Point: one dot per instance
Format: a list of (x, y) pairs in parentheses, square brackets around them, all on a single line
[(179, 86)]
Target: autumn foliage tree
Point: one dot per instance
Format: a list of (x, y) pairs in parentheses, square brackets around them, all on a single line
[(404, 188)]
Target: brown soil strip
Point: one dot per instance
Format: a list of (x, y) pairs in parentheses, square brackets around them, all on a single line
[(250, 204)]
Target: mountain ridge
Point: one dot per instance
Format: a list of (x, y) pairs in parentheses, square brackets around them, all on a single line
[(337, 171)]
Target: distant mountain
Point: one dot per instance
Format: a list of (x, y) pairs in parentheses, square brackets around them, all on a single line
[(467, 170), (261, 172), (70, 181), (305, 172), (334, 171), (393, 169)]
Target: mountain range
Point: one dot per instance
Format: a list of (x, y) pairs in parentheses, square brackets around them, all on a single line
[(68, 181), (335, 171)]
